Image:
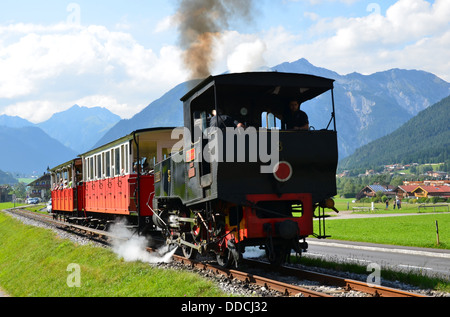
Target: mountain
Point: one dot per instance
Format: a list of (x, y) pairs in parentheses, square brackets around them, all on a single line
[(423, 139), (79, 128), (166, 112), (14, 122), (6, 178), (371, 106), (29, 149), (367, 106)]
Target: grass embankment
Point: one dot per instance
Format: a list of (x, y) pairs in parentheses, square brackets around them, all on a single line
[(34, 262)]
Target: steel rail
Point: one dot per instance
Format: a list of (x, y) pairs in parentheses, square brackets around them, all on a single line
[(284, 288), (346, 284)]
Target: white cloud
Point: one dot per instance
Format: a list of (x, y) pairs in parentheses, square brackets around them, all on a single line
[(51, 67), (166, 24), (247, 57), (413, 34)]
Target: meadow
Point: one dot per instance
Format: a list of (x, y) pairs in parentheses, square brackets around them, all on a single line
[(34, 262), (418, 230)]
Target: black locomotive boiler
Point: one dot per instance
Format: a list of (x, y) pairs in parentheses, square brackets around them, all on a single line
[(239, 177)]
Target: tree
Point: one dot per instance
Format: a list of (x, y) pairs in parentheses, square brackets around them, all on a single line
[(349, 189), (20, 190)]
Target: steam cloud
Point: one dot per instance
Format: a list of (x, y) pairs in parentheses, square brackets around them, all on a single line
[(132, 247), (200, 23)]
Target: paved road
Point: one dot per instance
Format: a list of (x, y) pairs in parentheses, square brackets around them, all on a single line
[(431, 262), (427, 261)]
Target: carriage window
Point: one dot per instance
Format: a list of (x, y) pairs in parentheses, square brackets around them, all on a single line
[(103, 165), (91, 168), (124, 163), (99, 166), (107, 164), (85, 170), (127, 158), (117, 162)]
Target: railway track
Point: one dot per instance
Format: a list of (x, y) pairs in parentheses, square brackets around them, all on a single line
[(345, 284), (341, 285)]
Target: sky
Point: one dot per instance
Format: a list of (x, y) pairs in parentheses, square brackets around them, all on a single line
[(123, 55)]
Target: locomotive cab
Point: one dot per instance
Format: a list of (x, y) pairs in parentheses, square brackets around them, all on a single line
[(242, 178)]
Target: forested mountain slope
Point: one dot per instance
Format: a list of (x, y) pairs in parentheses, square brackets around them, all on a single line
[(423, 139)]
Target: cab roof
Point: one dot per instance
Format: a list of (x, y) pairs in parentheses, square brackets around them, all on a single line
[(290, 85)]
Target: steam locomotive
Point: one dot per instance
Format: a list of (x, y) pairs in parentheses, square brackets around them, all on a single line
[(215, 188)]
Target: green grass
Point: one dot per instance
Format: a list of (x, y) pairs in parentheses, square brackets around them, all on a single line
[(9, 205), (34, 263), (415, 231)]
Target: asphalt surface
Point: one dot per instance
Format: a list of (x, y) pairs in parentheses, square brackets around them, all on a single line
[(430, 262)]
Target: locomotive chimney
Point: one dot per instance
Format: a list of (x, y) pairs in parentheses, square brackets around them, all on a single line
[(200, 24)]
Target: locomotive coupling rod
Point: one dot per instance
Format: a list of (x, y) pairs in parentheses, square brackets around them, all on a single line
[(182, 219), (193, 246)]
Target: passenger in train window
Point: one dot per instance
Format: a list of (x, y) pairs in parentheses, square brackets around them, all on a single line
[(296, 119)]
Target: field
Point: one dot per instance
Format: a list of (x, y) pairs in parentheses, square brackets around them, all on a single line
[(416, 231), (34, 262)]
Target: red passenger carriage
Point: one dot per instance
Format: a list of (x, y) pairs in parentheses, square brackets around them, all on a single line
[(113, 180)]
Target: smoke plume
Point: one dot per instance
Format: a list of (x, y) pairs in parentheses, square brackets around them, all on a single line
[(200, 23), (132, 247)]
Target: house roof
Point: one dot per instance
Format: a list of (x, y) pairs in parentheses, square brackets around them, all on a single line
[(434, 189), (40, 179), (380, 188), (408, 188)]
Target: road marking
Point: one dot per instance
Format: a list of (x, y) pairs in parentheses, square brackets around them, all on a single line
[(379, 249), (415, 267)]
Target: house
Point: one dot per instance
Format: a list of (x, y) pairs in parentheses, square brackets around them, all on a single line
[(405, 191), (438, 174), (40, 188), (371, 191), (432, 191), (4, 196)]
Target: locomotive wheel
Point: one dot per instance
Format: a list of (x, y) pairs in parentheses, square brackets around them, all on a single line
[(277, 253), (224, 260), (188, 252), (231, 257)]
